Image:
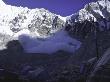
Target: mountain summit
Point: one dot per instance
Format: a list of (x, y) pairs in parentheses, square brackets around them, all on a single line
[(93, 11), (94, 16)]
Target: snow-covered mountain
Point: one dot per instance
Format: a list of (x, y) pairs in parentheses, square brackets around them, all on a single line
[(94, 12), (38, 30), (90, 25), (39, 22)]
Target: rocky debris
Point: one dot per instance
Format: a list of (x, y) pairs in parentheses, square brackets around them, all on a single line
[(36, 67), (101, 70), (6, 76), (61, 74), (34, 73), (25, 69)]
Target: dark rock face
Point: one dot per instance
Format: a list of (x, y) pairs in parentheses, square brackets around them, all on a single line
[(89, 49), (14, 46), (82, 30), (101, 72), (94, 40)]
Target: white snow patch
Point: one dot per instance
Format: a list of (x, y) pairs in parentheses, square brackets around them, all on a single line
[(62, 18)]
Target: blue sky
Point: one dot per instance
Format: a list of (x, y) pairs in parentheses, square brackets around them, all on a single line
[(62, 7)]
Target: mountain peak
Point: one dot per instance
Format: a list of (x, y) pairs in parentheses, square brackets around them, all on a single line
[(93, 15), (93, 11)]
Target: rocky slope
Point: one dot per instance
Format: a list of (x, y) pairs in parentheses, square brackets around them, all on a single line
[(91, 26), (95, 16)]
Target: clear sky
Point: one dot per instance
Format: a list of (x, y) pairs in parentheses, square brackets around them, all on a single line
[(62, 7)]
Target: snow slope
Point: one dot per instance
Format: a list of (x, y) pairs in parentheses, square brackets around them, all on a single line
[(95, 11), (39, 22)]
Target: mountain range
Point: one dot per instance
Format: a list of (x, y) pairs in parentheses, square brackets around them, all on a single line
[(38, 28), (74, 48)]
